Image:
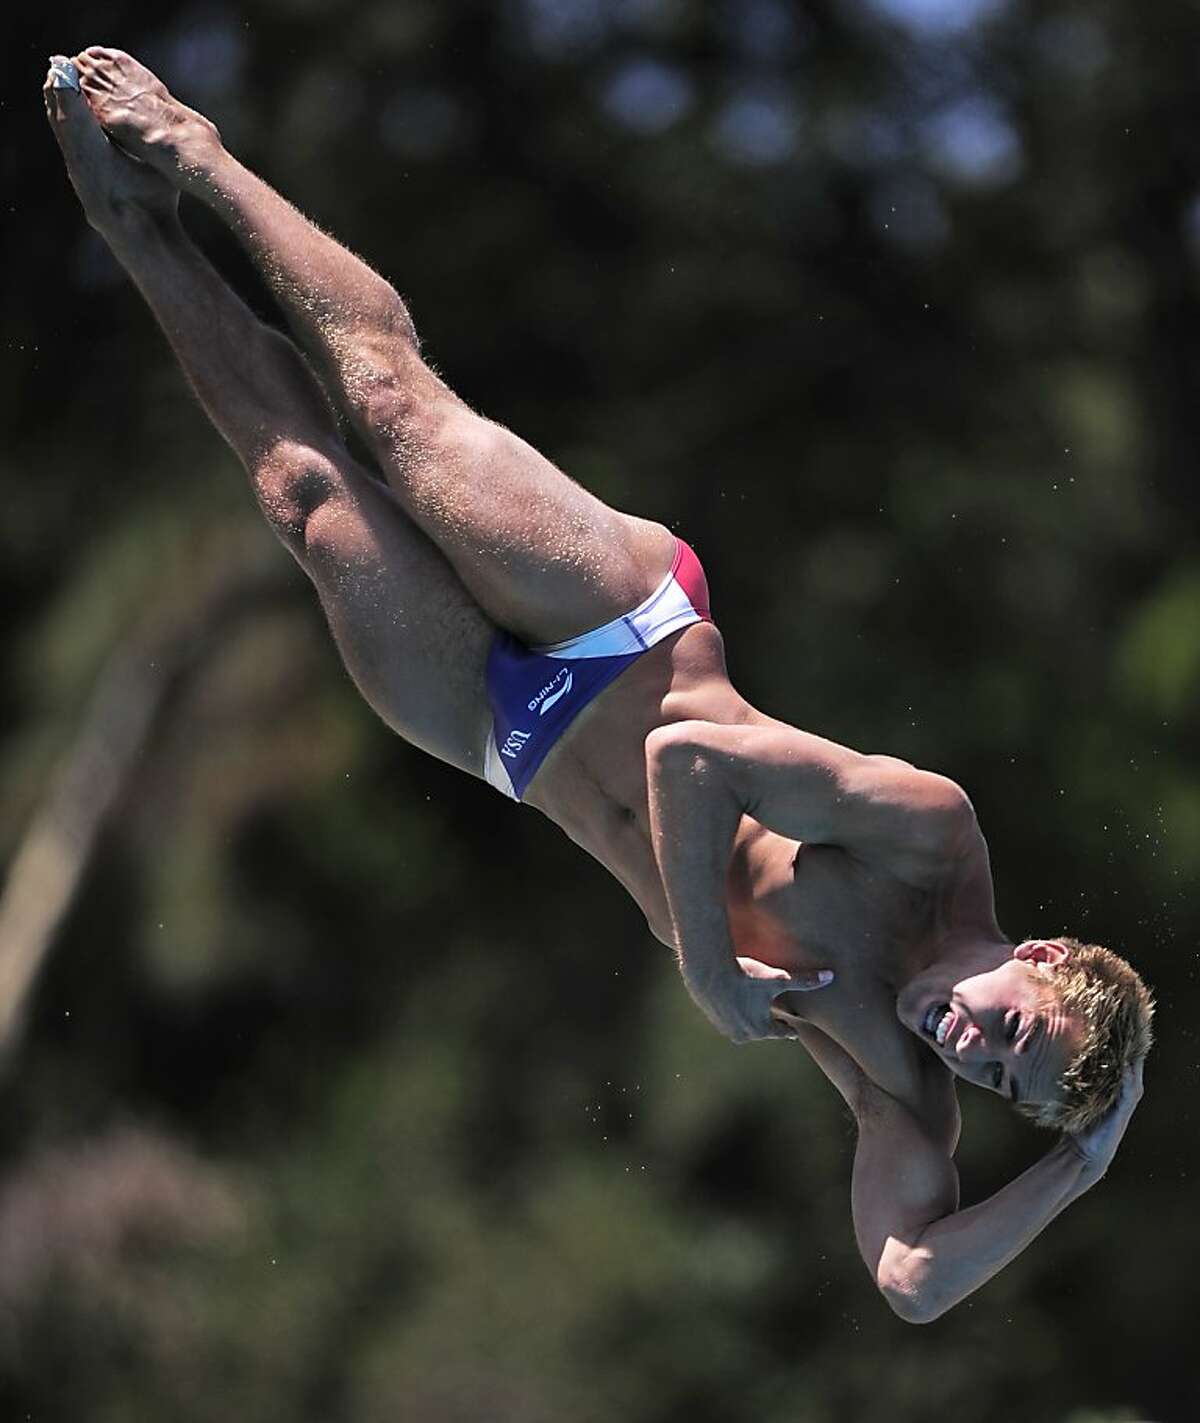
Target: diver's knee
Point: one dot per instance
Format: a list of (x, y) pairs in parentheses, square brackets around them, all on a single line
[(293, 482)]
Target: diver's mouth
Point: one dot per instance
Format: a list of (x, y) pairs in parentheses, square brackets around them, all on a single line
[(938, 1022)]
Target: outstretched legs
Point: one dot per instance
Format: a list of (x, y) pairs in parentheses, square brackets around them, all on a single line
[(410, 634), (541, 555)]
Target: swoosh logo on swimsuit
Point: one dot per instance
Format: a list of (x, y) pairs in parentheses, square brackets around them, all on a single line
[(557, 696)]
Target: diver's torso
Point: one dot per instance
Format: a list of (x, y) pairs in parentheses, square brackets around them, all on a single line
[(792, 906)]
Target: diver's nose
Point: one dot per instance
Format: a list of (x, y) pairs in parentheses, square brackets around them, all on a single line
[(969, 1038)]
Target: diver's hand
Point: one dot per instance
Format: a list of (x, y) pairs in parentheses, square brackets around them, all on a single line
[(737, 1000), (1098, 1145)]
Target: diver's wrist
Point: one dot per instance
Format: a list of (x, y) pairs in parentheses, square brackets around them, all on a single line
[(1090, 1168)]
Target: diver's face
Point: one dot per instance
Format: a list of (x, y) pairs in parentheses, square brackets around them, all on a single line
[(1003, 1030)]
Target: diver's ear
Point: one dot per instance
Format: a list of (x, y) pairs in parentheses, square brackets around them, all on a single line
[(1049, 951)]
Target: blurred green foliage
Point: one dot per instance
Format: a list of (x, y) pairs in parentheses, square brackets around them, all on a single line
[(892, 309)]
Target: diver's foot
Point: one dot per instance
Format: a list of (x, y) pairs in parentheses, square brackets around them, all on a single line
[(141, 114), (111, 186)]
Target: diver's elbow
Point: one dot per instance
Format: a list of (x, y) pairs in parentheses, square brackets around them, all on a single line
[(906, 1299), (906, 1307)]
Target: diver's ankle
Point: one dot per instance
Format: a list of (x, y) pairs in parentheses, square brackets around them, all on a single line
[(198, 156)]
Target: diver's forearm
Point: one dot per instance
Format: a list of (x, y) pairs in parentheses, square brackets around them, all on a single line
[(955, 1255), (693, 822)]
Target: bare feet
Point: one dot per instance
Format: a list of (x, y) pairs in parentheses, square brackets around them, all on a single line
[(110, 185), (143, 116)]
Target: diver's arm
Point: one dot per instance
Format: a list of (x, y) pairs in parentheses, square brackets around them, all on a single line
[(807, 788), (695, 813), (924, 1272), (703, 777)]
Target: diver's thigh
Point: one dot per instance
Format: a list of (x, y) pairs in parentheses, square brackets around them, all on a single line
[(412, 638), (541, 555)]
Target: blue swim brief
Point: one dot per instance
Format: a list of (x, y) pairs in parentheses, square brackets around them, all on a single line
[(537, 692)]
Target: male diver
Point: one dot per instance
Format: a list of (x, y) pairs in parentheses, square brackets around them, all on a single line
[(500, 617)]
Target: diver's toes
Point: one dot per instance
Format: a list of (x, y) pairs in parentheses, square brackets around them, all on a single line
[(96, 70)]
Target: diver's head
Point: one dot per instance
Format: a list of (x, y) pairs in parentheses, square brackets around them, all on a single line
[(1052, 1027)]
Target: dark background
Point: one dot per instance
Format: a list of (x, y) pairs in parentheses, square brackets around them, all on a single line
[(351, 1092)]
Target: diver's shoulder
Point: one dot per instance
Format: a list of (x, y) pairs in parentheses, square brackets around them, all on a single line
[(965, 890)]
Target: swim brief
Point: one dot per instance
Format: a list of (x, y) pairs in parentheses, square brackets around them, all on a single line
[(537, 692)]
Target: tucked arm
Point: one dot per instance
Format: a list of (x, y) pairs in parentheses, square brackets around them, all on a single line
[(704, 777), (808, 788), (926, 1255), (924, 1271)]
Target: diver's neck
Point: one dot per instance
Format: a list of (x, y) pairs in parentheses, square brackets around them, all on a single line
[(956, 955)]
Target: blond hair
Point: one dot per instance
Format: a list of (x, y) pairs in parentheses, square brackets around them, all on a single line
[(1115, 1009)]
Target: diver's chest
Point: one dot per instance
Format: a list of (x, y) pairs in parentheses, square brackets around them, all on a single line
[(838, 905)]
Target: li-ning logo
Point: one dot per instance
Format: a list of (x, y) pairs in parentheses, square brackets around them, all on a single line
[(549, 695)]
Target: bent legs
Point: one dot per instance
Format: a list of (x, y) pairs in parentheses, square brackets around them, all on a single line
[(540, 554), (410, 635)]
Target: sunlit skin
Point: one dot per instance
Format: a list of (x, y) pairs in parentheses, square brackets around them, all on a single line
[(759, 852)]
